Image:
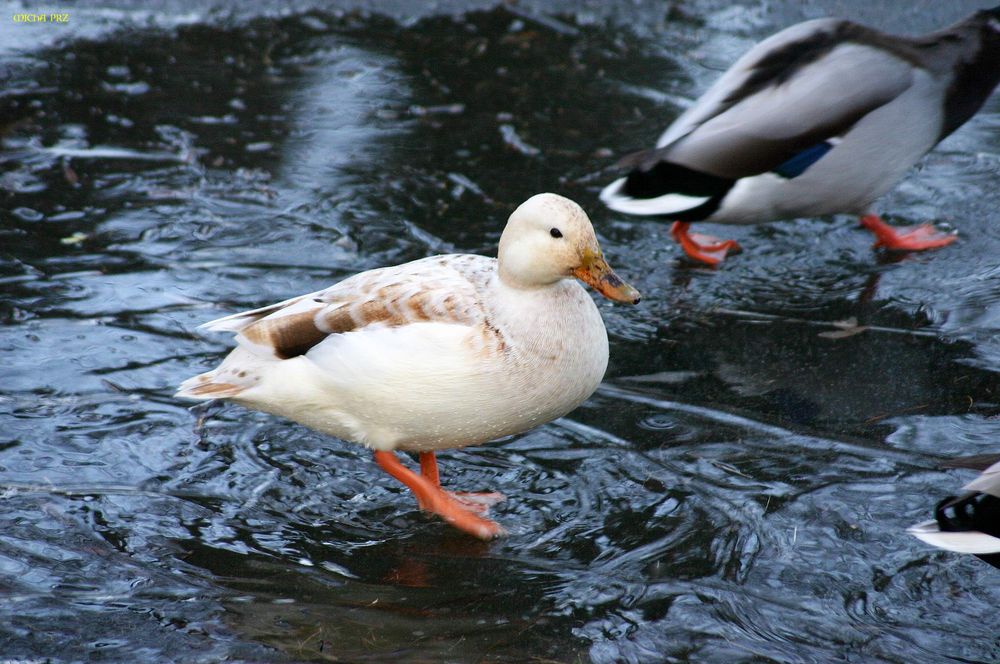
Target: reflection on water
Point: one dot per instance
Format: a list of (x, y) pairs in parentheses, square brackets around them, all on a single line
[(738, 489)]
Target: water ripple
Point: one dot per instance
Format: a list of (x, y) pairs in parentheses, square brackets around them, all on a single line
[(737, 490)]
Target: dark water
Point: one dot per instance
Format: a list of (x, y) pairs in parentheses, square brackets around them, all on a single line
[(738, 490)]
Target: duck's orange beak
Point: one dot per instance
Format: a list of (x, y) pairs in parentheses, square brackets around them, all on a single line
[(596, 272)]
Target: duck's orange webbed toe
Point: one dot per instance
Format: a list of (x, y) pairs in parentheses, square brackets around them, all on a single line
[(700, 247), (431, 498), (905, 238)]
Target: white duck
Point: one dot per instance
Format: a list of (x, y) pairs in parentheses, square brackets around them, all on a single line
[(822, 118), (443, 352), (969, 523)]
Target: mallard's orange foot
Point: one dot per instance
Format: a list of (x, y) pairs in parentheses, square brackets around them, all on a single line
[(905, 238), (432, 498), (700, 247)]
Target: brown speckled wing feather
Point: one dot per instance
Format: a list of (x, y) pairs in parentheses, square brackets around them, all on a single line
[(441, 289)]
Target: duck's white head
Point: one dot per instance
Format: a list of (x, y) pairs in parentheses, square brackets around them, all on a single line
[(548, 238)]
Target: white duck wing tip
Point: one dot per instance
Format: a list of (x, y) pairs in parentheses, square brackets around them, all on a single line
[(970, 541), (231, 323), (242, 319)]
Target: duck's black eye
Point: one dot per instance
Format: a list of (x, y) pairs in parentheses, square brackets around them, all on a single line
[(555, 232)]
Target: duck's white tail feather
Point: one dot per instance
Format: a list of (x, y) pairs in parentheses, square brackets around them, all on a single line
[(241, 370), (204, 387), (666, 205), (967, 541)]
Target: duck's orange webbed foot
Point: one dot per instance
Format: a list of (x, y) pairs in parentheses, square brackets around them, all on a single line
[(431, 498), (700, 247), (905, 238), (480, 503)]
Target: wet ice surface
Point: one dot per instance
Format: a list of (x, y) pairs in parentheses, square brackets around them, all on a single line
[(737, 491)]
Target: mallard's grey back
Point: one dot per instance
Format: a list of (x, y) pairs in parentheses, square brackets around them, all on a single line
[(823, 117)]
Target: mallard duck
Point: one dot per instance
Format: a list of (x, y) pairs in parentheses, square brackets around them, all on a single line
[(969, 523), (439, 353), (822, 118)]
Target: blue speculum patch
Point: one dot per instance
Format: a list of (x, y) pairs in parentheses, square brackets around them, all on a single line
[(801, 162)]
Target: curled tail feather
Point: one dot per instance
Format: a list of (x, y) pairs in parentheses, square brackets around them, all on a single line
[(662, 188)]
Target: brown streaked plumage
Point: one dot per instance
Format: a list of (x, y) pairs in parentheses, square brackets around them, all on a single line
[(289, 336), (385, 296)]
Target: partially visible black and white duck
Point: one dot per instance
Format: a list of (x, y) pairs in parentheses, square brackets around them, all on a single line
[(822, 118), (969, 523)]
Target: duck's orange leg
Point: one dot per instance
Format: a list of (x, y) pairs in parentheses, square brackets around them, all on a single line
[(480, 503), (700, 247), (431, 498), (429, 467), (905, 238)]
